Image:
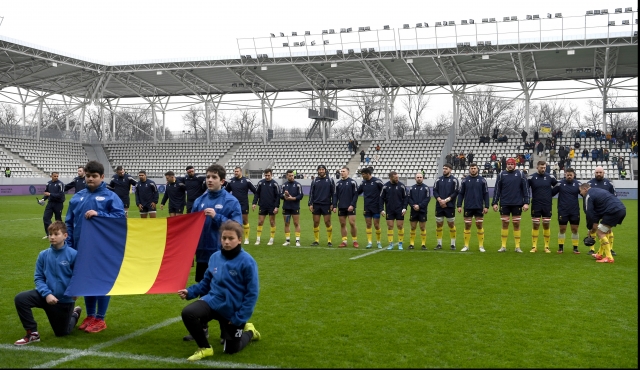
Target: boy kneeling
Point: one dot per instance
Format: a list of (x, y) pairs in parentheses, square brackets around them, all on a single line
[(54, 268)]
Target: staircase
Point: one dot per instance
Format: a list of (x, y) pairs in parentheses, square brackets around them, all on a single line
[(229, 154), (95, 152), (354, 163)]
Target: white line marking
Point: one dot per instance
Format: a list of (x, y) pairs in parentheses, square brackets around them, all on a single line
[(367, 254), (128, 356), (23, 219)]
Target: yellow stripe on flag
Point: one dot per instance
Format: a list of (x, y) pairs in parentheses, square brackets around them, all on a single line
[(144, 249)]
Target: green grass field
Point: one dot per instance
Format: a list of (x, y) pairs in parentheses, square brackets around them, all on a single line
[(319, 307)]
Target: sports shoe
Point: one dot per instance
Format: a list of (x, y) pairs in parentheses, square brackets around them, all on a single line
[(482, 249), (32, 336), (329, 244), (591, 252), (355, 244), (605, 260), (503, 249), (411, 246), (246, 241), (438, 247), (518, 250), (613, 253), (390, 247), (343, 244), (369, 245), (257, 242), (379, 245), (297, 243), (270, 242), (286, 244), (96, 327), (547, 250), (201, 353), (424, 247), (188, 338), (86, 322), (464, 249), (597, 256), (76, 313), (533, 250), (560, 251), (249, 327), (453, 247), (576, 251), (400, 246), (45, 237), (315, 244)]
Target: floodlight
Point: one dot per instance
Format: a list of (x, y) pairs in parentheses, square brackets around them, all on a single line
[(285, 44), (618, 10), (248, 56), (340, 82), (485, 20), (331, 30), (460, 44), (281, 34), (471, 21), (405, 26), (339, 52), (234, 85), (485, 56), (612, 23), (536, 16), (452, 23), (464, 21), (324, 32), (505, 19), (367, 28), (571, 52), (569, 70), (625, 22), (360, 29), (604, 11), (307, 33), (480, 43), (514, 17), (326, 42), (487, 43), (347, 81), (548, 15), (363, 50), (467, 44), (409, 61), (444, 23), (438, 24), (334, 65), (55, 64), (596, 12), (331, 81), (343, 30), (386, 27), (349, 29), (158, 73), (628, 10), (587, 70), (302, 43), (294, 34), (350, 51), (426, 24), (492, 20), (589, 12), (240, 85), (296, 43), (313, 43), (528, 17), (372, 50), (272, 35), (579, 70), (558, 15), (418, 25), (263, 68)]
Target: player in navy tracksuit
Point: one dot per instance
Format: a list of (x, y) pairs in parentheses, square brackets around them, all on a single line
[(196, 186), (512, 192), (601, 182), (78, 182), (393, 199), (370, 188), (175, 192), (474, 191), (268, 198), (239, 186), (321, 203), (568, 208), (541, 184), (291, 194), (146, 196), (121, 184), (344, 201), (418, 201), (604, 211), (445, 190), (54, 192)]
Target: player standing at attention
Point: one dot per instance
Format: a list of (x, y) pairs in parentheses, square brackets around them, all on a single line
[(54, 192), (78, 182), (121, 184), (291, 194), (370, 188), (195, 184), (601, 182), (445, 190), (146, 195), (474, 191), (568, 191), (604, 211), (345, 200), (394, 204), (239, 187), (418, 200), (541, 184), (321, 203), (268, 198), (175, 192), (512, 192)]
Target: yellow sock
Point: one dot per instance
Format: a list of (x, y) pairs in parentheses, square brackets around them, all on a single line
[(273, 232), (316, 234), (401, 235), (287, 236), (390, 236), (504, 234), (423, 236), (481, 237), (516, 237), (575, 240), (534, 237), (561, 239), (594, 235), (547, 237), (412, 236), (259, 231), (467, 237), (452, 235), (610, 237), (369, 235), (438, 232), (344, 239), (297, 236), (604, 243), (378, 234), (329, 233), (246, 230)]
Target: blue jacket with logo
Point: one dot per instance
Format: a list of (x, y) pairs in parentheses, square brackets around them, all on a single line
[(146, 193), (446, 187), (196, 186), (605, 184), (56, 191), (420, 195), (54, 268), (175, 193), (267, 194), (122, 185), (240, 188), (541, 190), (370, 190), (322, 190), (599, 202), (393, 197), (568, 193), (77, 184), (227, 207), (295, 190), (346, 194), (511, 189), (474, 191)]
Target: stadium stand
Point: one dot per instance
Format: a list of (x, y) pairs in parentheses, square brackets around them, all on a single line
[(47, 155), (17, 169), (160, 158), (406, 157), (584, 166), (482, 151)]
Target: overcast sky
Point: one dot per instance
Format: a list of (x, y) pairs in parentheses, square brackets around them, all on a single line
[(124, 31)]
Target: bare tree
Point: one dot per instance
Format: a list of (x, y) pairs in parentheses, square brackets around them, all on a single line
[(592, 118), (242, 125), (415, 105), (192, 122), (560, 115), (9, 119), (440, 126), (370, 110), (482, 111), (401, 126)]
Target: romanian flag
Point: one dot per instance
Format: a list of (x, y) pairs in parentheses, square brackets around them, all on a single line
[(119, 256)]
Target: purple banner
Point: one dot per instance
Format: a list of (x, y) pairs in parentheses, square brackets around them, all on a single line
[(25, 190)]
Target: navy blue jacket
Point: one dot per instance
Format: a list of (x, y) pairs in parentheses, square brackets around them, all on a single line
[(322, 190), (346, 194), (511, 189), (605, 184), (77, 184), (599, 202), (371, 190), (267, 194), (122, 185), (568, 193), (56, 191), (393, 197), (446, 187), (420, 195), (239, 188), (541, 190), (146, 193), (175, 193), (474, 191), (295, 190), (195, 185)]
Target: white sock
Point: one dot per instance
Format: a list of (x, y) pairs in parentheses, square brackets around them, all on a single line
[(453, 242), (439, 241)]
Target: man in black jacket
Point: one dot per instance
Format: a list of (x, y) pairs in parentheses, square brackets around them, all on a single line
[(54, 192)]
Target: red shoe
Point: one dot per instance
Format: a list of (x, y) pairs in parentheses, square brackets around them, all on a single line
[(576, 251), (88, 321), (597, 256), (342, 245), (356, 245), (605, 260), (97, 326)]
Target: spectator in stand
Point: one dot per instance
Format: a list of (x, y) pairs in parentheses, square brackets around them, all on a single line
[(536, 136), (377, 147), (503, 139), (608, 136), (589, 133), (547, 144), (362, 154), (600, 154), (577, 144), (583, 134), (495, 134), (594, 155), (470, 157), (605, 156), (540, 148), (561, 164), (620, 165), (367, 159), (456, 162), (572, 153), (552, 153), (524, 135), (350, 145), (585, 153), (463, 164), (503, 162), (494, 157), (529, 159)]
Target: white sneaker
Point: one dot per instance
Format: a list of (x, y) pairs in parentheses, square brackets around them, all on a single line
[(464, 249), (270, 242), (297, 243), (518, 250), (246, 241), (482, 249), (286, 244), (257, 242), (502, 249)]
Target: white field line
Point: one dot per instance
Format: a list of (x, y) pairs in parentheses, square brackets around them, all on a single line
[(128, 356), (23, 219), (367, 254)]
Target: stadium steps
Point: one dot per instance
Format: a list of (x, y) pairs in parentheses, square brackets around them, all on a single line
[(229, 154), (537, 158), (35, 170), (354, 163), (95, 152)]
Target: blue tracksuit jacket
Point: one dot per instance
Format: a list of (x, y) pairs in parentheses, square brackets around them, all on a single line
[(322, 190), (267, 194), (420, 195), (146, 193), (175, 193), (541, 190), (370, 190), (77, 184), (239, 188), (511, 189), (196, 186), (346, 194), (568, 193), (446, 187), (599, 202), (227, 207), (56, 190), (393, 197), (295, 190), (605, 184), (474, 191), (122, 185), (54, 268)]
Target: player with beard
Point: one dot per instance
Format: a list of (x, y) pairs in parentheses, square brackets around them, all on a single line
[(512, 192), (541, 184), (601, 182), (321, 203), (474, 191)]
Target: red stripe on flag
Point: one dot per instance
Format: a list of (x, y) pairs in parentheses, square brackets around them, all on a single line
[(183, 234)]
